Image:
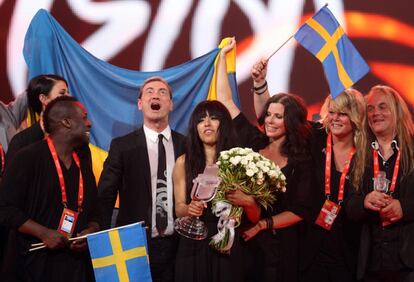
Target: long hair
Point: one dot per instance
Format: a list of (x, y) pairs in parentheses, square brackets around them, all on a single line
[(298, 129), (41, 84), (350, 102), (195, 159), (403, 125)]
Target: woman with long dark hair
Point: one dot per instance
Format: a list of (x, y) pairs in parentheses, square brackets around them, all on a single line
[(284, 139), (41, 90), (210, 132)]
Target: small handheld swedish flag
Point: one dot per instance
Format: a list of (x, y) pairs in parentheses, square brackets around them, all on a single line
[(120, 254), (326, 40)]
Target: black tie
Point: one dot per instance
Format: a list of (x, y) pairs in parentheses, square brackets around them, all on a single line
[(161, 201)]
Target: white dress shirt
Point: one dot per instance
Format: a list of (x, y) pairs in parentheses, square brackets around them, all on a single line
[(151, 137)]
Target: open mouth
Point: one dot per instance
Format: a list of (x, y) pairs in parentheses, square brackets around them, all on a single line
[(155, 106)]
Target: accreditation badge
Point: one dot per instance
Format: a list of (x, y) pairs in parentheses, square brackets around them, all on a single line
[(328, 214), (67, 222)]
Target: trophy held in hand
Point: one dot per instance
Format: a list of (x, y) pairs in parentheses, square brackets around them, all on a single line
[(204, 189)]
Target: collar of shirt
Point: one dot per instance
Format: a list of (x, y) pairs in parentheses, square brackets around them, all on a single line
[(394, 145), (153, 135)]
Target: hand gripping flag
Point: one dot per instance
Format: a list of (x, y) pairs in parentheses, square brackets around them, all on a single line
[(110, 93), (326, 40), (120, 254)]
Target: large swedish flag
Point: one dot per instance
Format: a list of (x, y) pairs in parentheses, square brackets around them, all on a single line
[(120, 254), (326, 40), (110, 93)]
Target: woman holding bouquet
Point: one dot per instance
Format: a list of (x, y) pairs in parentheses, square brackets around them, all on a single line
[(330, 255), (285, 141), (210, 131)]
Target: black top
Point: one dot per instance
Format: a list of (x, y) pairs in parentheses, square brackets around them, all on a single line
[(384, 253), (403, 229), (339, 246), (32, 135), (281, 247), (22, 139), (30, 190)]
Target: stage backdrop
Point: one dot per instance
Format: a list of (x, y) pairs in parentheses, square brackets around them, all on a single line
[(153, 35)]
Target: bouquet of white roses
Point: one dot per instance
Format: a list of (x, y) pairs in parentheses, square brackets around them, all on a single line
[(244, 169)]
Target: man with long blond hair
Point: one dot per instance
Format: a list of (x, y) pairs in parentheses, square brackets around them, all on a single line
[(385, 202)]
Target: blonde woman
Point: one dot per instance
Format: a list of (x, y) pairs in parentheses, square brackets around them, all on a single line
[(338, 156)]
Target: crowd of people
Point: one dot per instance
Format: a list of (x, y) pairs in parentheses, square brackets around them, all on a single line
[(347, 213)]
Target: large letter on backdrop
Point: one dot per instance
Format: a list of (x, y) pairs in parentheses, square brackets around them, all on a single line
[(110, 93)]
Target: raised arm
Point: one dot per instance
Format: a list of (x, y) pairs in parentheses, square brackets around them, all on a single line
[(16, 110), (224, 94), (260, 88)]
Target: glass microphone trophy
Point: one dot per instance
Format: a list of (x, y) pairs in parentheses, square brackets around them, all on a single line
[(381, 182), (204, 189)]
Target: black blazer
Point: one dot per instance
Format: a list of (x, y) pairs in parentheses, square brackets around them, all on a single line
[(356, 211), (127, 171)]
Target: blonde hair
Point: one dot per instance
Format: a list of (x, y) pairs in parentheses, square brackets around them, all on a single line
[(403, 123), (352, 103)]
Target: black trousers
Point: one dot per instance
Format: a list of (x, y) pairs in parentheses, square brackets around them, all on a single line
[(162, 252)]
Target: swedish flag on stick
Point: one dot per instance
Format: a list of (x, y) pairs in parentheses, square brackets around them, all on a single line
[(326, 40), (120, 254)]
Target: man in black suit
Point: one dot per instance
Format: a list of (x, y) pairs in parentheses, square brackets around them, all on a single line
[(132, 170)]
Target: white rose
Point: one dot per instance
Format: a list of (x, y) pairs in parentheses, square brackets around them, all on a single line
[(249, 172), (251, 165), (224, 156), (235, 160)]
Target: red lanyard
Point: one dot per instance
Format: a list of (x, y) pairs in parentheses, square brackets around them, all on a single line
[(396, 168), (2, 158), (60, 175), (328, 170)]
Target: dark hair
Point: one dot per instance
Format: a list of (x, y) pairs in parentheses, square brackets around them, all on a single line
[(50, 117), (41, 84), (298, 129), (195, 159), (152, 79)]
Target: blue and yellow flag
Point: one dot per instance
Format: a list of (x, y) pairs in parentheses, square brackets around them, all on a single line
[(110, 93), (326, 40), (120, 254)]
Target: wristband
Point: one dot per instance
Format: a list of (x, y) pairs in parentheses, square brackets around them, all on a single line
[(261, 92), (264, 85)]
